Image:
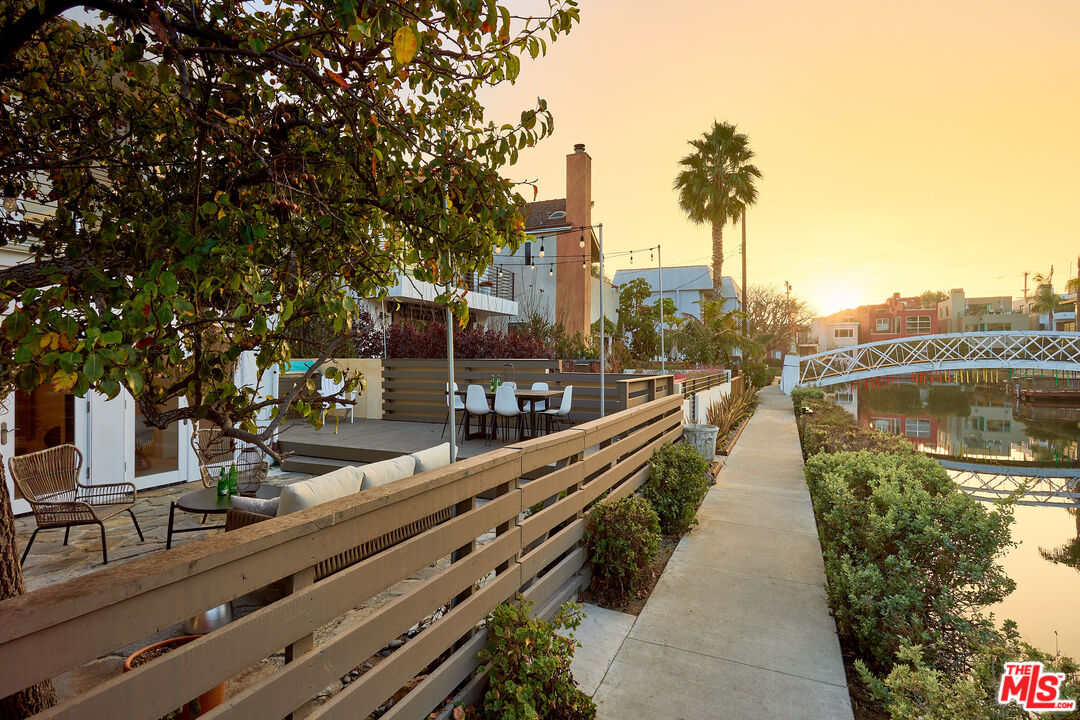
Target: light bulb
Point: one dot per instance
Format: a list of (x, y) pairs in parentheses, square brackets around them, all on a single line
[(631, 257), (582, 263), (551, 271), (533, 266), (581, 240), (10, 202), (650, 256), (541, 249)]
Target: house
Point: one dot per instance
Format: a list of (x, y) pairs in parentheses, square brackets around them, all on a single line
[(552, 275), (959, 313), (686, 285), (1064, 318), (838, 330), (897, 317)]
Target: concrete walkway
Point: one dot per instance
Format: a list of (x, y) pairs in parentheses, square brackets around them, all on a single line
[(738, 625)]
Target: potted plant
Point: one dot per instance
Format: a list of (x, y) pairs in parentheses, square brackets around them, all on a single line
[(194, 708)]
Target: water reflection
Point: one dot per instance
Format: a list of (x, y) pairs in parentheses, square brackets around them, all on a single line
[(1005, 425)]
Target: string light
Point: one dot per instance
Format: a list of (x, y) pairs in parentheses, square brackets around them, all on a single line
[(541, 248), (631, 257), (581, 240), (10, 203), (551, 270), (582, 262), (533, 266), (650, 255)]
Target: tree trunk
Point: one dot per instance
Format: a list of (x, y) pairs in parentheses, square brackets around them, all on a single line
[(718, 260), (38, 697)]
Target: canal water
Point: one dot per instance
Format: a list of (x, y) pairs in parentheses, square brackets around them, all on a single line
[(984, 422)]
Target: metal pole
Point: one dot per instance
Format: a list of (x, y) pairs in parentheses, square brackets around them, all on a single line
[(663, 354), (602, 318), (450, 396)]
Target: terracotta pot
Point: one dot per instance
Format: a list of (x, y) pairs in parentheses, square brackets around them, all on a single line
[(207, 701)]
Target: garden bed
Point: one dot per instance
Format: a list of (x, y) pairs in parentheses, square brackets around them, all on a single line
[(733, 437), (668, 543)]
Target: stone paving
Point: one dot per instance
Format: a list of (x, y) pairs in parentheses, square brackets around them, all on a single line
[(50, 561)]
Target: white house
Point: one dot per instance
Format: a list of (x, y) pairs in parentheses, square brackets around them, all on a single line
[(686, 285)]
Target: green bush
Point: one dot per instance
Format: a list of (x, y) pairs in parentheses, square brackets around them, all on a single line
[(622, 539), (759, 374), (800, 396), (910, 559), (529, 659), (678, 479), (829, 428)]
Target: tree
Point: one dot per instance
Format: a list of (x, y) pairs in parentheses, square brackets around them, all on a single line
[(1047, 301), (716, 184), (639, 320), (930, 298), (713, 339), (771, 314), (221, 174)]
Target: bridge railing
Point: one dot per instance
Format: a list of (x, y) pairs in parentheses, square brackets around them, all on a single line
[(1017, 349)]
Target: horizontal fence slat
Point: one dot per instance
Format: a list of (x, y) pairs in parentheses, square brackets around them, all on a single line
[(536, 560), (379, 683)]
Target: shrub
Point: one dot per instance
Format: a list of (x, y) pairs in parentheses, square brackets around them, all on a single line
[(678, 479), (910, 559), (800, 396), (529, 660), (622, 538), (730, 410), (759, 374), (829, 428)]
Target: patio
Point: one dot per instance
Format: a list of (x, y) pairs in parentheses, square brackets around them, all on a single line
[(50, 561)]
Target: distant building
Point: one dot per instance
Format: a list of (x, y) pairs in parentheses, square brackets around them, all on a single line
[(959, 313), (552, 272), (686, 285), (897, 317), (828, 333)]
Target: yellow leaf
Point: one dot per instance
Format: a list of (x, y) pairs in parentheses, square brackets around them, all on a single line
[(63, 380), (50, 340), (405, 45)]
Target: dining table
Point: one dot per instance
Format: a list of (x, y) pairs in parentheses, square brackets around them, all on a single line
[(523, 395)]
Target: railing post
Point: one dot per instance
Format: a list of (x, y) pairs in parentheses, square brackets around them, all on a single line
[(294, 584), (624, 394)]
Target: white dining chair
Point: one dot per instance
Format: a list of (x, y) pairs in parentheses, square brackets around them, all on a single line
[(562, 413), (536, 406), (506, 406), (452, 401), (476, 405)]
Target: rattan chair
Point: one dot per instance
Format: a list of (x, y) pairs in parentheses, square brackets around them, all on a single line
[(49, 480), (216, 452)]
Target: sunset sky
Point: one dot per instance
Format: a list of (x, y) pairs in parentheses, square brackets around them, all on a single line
[(904, 146)]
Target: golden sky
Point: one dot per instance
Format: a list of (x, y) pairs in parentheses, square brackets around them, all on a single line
[(905, 146)]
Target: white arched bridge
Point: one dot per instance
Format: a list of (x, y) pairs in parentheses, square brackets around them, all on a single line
[(999, 350)]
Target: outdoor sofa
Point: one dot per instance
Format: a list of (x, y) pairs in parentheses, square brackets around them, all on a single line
[(341, 483)]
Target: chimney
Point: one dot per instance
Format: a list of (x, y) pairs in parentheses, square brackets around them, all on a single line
[(579, 186), (574, 283)]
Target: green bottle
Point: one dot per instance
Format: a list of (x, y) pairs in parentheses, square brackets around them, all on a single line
[(234, 487), (223, 484)]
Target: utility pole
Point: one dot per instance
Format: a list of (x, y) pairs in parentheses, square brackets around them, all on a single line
[(745, 320), (1025, 310), (603, 360), (791, 317), (1077, 317)]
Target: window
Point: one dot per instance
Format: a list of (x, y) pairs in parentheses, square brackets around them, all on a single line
[(843, 397), (882, 325), (843, 332), (917, 428), (887, 425), (998, 425), (916, 324)]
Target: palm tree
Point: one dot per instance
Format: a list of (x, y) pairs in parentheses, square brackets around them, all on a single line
[(716, 184)]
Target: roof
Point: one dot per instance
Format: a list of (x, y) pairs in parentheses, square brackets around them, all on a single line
[(538, 215), (685, 277)]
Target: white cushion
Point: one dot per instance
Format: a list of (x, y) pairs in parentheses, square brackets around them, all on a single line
[(432, 458), (386, 471), (262, 506), (321, 489)]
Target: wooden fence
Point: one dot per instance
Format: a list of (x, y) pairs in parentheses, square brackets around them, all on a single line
[(52, 630), (415, 390)]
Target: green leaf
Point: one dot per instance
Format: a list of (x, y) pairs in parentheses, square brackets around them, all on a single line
[(112, 337), (93, 368), (169, 284)]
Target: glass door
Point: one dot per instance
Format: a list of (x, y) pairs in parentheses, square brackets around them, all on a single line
[(160, 457), (33, 421)]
